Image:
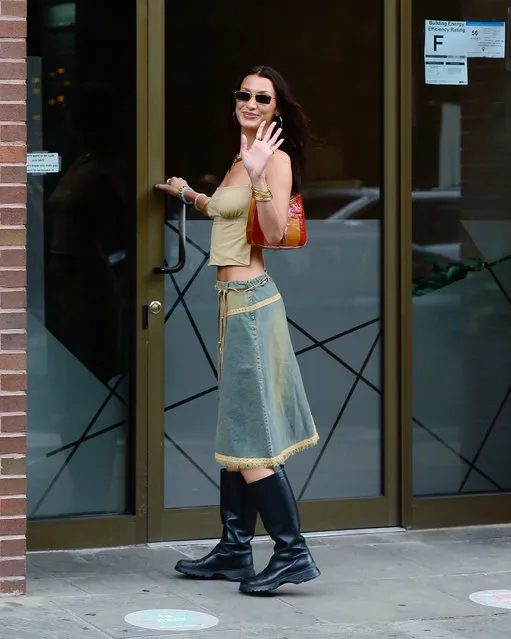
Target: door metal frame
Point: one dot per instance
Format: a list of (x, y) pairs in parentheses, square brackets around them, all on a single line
[(156, 252), (405, 254)]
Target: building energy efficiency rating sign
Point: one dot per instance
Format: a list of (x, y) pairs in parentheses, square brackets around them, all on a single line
[(445, 52), (176, 620), (486, 39), (448, 44)]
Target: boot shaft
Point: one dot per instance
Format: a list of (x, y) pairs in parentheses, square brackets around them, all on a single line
[(278, 509)]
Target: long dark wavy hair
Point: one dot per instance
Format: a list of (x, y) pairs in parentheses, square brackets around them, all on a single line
[(295, 129)]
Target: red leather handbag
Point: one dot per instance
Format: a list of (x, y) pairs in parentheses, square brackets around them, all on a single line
[(295, 235)]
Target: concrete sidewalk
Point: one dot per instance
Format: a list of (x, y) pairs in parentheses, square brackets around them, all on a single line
[(390, 585)]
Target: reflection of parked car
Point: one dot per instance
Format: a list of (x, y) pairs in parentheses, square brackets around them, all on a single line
[(439, 239)]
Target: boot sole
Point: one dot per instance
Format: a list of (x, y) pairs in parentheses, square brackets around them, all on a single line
[(228, 575), (310, 573)]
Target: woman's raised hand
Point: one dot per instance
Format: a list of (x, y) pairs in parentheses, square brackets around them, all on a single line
[(172, 186), (257, 156)]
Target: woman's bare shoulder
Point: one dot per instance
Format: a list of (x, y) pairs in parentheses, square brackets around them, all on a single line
[(281, 157), (280, 162)]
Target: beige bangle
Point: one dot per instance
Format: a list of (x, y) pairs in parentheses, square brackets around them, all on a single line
[(195, 201), (201, 209)]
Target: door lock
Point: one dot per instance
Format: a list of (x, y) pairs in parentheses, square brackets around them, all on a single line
[(155, 307)]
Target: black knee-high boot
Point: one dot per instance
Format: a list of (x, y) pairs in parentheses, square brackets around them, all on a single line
[(291, 561), (232, 557)]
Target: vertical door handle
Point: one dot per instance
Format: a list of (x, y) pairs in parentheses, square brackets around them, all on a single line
[(181, 258)]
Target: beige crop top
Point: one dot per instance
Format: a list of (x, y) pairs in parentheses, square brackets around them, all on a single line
[(228, 209)]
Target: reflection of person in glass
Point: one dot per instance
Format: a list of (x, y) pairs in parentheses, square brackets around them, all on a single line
[(264, 416), (85, 223)]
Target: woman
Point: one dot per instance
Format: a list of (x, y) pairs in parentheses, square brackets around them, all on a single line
[(263, 415)]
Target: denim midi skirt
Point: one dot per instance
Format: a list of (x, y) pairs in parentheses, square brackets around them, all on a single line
[(263, 413)]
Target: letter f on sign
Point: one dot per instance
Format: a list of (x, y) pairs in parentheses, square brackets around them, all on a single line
[(438, 40)]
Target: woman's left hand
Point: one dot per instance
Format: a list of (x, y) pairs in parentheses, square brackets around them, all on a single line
[(264, 146), (172, 186)]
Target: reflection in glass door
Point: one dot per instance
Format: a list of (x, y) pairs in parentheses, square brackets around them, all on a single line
[(462, 273), (335, 315)]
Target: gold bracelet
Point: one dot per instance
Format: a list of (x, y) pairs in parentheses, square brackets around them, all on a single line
[(261, 196), (255, 191)]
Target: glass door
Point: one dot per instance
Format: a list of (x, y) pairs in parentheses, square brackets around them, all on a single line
[(461, 270), (81, 268), (337, 315)]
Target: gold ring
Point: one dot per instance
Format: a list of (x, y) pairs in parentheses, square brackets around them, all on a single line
[(260, 139)]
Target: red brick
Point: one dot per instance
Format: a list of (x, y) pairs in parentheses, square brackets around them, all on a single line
[(13, 299), (13, 586), (13, 341), (13, 382), (12, 567), (16, 319), (10, 28), (17, 49), (13, 70), (13, 175), (16, 445), (14, 278), (13, 423), (13, 257), (16, 92), (14, 465), (14, 8), (13, 547), (12, 506), (13, 112), (13, 404), (13, 133), (11, 195), (12, 486), (13, 361), (13, 526), (13, 216), (12, 154)]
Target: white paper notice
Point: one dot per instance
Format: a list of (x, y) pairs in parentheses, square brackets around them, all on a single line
[(445, 57), (43, 163), (450, 70), (486, 39)]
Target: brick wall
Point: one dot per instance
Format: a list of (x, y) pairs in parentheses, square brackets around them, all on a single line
[(12, 296)]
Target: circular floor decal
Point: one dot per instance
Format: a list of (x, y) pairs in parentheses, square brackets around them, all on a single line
[(171, 620), (493, 598)]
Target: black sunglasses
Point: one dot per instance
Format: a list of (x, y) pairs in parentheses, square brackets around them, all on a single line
[(260, 98)]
